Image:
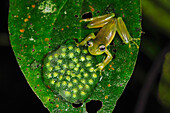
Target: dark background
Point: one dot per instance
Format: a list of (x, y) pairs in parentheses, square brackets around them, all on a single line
[(17, 97)]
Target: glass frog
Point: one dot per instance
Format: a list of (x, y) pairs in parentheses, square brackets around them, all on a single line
[(97, 45)]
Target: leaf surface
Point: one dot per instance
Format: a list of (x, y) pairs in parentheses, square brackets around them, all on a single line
[(38, 27)]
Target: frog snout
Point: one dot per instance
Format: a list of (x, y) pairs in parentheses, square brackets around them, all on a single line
[(91, 51)]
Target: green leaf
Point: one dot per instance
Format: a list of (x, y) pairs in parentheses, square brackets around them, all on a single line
[(37, 28)]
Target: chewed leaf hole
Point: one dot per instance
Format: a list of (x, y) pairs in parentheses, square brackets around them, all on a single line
[(114, 56), (77, 105), (87, 15), (75, 39), (76, 16), (114, 50), (93, 106)]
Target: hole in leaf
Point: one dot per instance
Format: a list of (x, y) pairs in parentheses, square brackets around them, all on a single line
[(93, 106), (114, 50), (75, 39), (76, 16), (77, 105), (114, 56), (87, 15)]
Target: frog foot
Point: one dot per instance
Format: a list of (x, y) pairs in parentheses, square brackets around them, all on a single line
[(132, 40), (100, 66), (77, 44)]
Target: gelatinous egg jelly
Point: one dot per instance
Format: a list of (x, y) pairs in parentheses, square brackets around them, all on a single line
[(70, 72)]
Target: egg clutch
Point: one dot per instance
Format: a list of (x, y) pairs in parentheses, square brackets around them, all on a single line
[(70, 72)]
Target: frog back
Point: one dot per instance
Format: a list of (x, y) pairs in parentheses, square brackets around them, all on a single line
[(106, 33)]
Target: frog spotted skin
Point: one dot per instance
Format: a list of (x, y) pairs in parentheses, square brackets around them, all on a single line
[(70, 72), (97, 45)]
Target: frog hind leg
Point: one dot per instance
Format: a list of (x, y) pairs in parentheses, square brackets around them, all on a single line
[(124, 34), (84, 42), (99, 21)]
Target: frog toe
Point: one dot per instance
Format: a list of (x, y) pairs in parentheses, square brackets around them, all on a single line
[(100, 66), (77, 44)]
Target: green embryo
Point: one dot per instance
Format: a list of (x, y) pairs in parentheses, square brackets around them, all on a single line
[(70, 72)]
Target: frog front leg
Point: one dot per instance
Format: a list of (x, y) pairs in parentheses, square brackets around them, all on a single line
[(124, 34), (106, 61), (84, 42)]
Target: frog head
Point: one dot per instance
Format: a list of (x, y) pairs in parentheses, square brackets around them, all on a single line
[(95, 48)]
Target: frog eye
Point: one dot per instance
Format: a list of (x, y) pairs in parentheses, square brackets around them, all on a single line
[(102, 48), (89, 43)]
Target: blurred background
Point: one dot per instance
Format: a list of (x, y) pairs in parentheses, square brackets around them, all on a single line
[(148, 90)]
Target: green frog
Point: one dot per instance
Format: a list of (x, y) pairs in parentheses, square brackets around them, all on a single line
[(97, 45)]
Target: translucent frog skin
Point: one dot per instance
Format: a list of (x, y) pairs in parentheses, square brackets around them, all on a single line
[(97, 45)]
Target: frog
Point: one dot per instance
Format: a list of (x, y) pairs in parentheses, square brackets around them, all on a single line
[(97, 44)]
